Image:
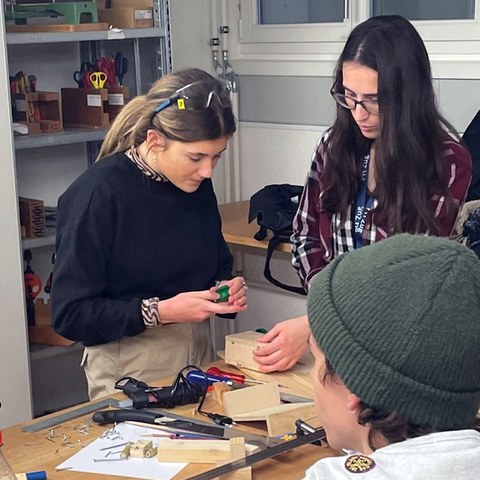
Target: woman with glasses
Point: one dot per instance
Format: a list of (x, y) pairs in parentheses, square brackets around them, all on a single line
[(140, 252), (390, 163)]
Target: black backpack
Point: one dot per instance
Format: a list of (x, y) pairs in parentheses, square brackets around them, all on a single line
[(471, 139), (274, 207)]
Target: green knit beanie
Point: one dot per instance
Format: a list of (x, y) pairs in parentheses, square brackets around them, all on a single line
[(399, 321)]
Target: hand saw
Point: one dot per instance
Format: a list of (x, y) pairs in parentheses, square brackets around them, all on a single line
[(317, 434), (178, 422)]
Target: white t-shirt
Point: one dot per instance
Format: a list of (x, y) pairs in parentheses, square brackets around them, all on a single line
[(439, 456)]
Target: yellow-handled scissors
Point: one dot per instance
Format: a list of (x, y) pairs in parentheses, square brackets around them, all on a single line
[(98, 79)]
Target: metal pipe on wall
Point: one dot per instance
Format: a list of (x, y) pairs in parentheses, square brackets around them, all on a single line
[(235, 154), (218, 67), (229, 77)]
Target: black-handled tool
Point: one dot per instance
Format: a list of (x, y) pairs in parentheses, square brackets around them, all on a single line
[(179, 422), (118, 416)]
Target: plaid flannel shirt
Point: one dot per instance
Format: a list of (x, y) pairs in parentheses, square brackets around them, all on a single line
[(319, 237)]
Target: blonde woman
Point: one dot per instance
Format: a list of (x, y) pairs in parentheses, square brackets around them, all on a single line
[(139, 242)]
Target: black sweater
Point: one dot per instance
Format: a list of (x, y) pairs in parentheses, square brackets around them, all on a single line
[(123, 237)]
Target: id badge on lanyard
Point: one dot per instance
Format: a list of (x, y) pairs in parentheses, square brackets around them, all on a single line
[(362, 205)]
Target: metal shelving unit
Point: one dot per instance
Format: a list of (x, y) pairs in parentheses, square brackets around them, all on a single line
[(98, 35), (145, 71), (66, 137), (39, 242)]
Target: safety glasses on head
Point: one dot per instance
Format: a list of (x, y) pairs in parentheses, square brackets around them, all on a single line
[(193, 96)]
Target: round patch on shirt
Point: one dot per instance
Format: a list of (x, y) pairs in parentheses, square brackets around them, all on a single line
[(359, 463)]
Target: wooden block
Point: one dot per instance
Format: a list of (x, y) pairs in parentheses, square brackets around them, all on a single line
[(199, 451), (251, 399), (283, 419), (43, 312), (262, 403), (80, 27), (32, 217), (238, 452), (219, 389), (49, 111), (140, 448), (297, 379), (239, 349), (240, 474)]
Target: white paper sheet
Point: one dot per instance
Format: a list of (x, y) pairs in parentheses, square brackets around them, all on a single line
[(148, 468)]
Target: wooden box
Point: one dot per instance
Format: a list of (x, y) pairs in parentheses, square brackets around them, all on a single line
[(40, 111), (85, 107), (127, 13), (32, 217), (117, 98), (239, 349)]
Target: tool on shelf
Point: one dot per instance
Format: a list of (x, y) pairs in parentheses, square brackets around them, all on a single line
[(121, 67), (98, 79), (48, 284), (82, 76), (33, 286), (107, 65)]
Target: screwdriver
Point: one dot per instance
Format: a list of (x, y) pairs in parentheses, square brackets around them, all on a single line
[(238, 378), (198, 377)]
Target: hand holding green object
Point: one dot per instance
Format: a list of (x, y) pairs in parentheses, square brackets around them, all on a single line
[(223, 291)]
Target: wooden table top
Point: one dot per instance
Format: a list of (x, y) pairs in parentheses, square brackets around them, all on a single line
[(46, 449), (237, 231)]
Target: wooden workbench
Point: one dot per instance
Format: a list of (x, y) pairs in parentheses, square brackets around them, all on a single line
[(237, 231), (27, 452)]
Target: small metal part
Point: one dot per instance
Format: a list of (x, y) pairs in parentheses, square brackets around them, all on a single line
[(109, 459), (114, 446)]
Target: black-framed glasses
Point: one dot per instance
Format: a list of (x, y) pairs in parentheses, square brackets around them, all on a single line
[(370, 105), (193, 96)]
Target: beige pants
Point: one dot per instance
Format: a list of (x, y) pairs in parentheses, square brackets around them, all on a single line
[(155, 353)]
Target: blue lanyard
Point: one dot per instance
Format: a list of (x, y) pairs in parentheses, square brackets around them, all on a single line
[(362, 205)]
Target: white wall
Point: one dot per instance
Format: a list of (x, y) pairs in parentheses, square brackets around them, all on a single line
[(193, 23), (271, 153), (190, 30), (14, 368)]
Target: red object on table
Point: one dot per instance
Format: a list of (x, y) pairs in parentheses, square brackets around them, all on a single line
[(236, 377)]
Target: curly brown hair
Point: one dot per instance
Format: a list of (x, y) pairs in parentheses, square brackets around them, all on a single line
[(389, 426)]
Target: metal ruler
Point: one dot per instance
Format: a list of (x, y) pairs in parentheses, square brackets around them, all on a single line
[(262, 455), (67, 416)]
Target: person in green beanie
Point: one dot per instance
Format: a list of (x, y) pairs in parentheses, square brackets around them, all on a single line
[(395, 333)]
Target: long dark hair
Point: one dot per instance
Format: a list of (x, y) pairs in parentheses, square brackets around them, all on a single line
[(408, 148), (132, 123)]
